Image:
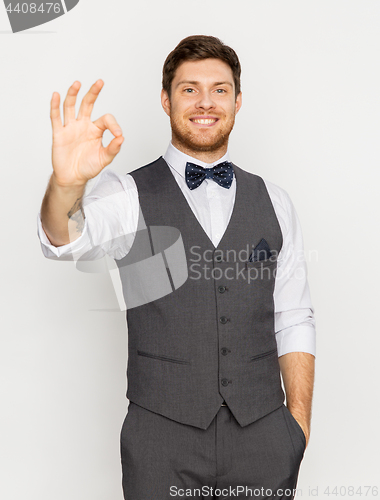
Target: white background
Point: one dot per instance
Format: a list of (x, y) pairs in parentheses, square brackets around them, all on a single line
[(309, 123)]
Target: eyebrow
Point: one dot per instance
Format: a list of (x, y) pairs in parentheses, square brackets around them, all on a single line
[(191, 82)]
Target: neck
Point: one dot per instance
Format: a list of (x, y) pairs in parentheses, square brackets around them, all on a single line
[(205, 156)]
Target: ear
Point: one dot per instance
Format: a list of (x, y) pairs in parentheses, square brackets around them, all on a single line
[(165, 101), (239, 102)]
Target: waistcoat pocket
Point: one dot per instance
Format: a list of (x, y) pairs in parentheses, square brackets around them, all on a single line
[(260, 263), (163, 358), (264, 354)]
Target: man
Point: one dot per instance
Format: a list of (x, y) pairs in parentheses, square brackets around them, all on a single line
[(206, 416)]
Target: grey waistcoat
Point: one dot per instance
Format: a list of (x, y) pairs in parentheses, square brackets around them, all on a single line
[(213, 337)]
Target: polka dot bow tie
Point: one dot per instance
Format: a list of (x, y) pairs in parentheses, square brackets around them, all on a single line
[(222, 173)]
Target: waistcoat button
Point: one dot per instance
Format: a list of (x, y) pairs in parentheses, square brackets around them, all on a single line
[(225, 351), (223, 319), (221, 289), (225, 382), (218, 258)]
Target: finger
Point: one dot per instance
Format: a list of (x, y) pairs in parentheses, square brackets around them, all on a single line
[(69, 103), (108, 122), (55, 114), (112, 150), (89, 99)]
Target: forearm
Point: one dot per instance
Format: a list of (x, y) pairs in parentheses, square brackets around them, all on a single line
[(62, 214), (297, 369)]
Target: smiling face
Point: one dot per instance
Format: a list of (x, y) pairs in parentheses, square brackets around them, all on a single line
[(202, 108)]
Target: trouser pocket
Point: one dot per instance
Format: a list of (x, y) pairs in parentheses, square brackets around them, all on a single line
[(296, 433), (126, 427)]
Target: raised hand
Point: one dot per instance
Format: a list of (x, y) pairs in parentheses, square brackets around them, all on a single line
[(78, 154)]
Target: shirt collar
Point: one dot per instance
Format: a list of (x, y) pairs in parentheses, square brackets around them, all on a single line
[(177, 160)]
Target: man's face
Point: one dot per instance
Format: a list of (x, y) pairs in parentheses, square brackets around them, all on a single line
[(202, 106)]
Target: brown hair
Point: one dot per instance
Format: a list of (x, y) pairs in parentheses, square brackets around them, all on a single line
[(196, 48)]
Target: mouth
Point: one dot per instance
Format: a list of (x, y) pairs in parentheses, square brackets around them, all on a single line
[(204, 121)]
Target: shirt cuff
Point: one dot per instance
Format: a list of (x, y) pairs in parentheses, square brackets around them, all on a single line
[(298, 338), (62, 252)]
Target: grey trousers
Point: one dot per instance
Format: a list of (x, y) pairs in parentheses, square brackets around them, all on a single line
[(163, 459)]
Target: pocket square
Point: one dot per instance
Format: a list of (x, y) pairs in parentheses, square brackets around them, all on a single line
[(260, 252)]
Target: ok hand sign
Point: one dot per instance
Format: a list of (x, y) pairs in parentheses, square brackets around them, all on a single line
[(78, 154)]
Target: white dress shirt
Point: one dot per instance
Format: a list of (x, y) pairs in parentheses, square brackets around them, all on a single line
[(112, 208)]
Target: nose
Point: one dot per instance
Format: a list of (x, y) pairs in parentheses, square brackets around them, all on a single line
[(205, 101)]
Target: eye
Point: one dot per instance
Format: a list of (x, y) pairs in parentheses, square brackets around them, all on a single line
[(188, 91), (220, 91)]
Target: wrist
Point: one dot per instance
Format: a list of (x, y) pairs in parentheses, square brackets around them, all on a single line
[(305, 426), (302, 420), (76, 186)]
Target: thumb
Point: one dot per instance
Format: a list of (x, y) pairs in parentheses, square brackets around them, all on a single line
[(112, 150)]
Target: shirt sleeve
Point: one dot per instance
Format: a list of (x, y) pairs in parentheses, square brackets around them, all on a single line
[(294, 313), (111, 211)]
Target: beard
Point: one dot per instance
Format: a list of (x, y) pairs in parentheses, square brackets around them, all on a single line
[(203, 141)]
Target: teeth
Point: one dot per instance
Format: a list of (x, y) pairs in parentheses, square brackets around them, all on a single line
[(205, 121)]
